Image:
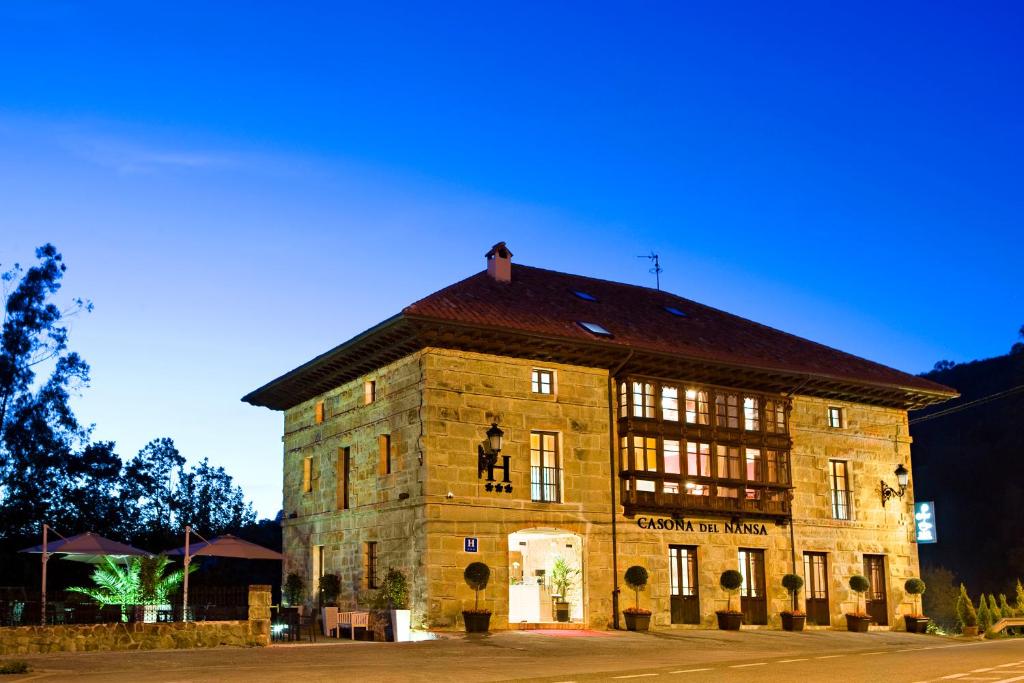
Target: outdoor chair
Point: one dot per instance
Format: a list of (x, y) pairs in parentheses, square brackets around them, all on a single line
[(330, 618), (307, 623)]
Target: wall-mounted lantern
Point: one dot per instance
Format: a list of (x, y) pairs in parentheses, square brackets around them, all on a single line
[(902, 479), (487, 461)]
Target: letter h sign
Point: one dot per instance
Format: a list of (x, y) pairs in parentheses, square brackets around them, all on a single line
[(488, 462)]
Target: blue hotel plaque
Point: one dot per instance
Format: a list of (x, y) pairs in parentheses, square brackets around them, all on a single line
[(924, 522)]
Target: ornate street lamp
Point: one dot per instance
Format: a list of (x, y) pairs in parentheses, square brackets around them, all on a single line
[(489, 455), (902, 479)]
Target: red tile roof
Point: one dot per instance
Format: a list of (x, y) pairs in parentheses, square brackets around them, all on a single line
[(538, 315), (543, 302)]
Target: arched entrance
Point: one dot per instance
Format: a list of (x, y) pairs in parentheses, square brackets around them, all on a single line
[(545, 568)]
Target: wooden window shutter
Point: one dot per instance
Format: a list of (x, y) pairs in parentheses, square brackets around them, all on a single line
[(384, 441), (319, 412)]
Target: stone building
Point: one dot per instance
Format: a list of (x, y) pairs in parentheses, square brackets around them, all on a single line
[(638, 427)]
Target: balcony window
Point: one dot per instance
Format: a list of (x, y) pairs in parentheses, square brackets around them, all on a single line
[(643, 399), (751, 414), (727, 411), (839, 481), (776, 467), (623, 400), (670, 404), (774, 416), (698, 459), (728, 462), (545, 469), (696, 406)]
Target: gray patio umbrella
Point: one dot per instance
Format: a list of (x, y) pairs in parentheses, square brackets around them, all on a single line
[(87, 547), (221, 546)]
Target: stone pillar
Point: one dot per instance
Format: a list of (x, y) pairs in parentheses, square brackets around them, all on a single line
[(259, 615)]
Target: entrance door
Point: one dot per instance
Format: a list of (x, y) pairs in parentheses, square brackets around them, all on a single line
[(752, 592), (685, 603), (546, 583), (816, 588), (874, 569)]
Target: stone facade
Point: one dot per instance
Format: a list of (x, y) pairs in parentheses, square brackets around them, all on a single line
[(435, 406), (24, 640)]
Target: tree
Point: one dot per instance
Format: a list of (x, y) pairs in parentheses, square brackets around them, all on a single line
[(636, 578), (149, 489), (1019, 602), (1019, 346), (207, 499), (943, 365), (941, 597), (39, 434)]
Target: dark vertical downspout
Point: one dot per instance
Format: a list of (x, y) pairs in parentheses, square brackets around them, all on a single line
[(792, 533), (613, 477)]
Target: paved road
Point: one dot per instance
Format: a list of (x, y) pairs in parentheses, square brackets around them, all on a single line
[(569, 656)]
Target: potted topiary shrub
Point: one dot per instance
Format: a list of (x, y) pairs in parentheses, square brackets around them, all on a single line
[(477, 620), (916, 622), (330, 589), (730, 619), (562, 575), (637, 619), (393, 596), (965, 613), (793, 619), (858, 621)]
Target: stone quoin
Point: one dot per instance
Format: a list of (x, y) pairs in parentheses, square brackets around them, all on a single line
[(638, 428)]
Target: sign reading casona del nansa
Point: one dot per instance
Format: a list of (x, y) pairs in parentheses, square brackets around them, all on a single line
[(666, 524)]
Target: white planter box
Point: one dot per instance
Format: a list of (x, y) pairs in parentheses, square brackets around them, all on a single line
[(400, 619)]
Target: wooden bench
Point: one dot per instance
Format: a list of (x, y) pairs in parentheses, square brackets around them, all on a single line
[(1008, 622), (353, 620)]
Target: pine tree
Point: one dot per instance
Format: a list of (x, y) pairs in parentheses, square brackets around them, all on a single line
[(993, 609), (1004, 607), (1020, 599), (965, 613), (984, 615)]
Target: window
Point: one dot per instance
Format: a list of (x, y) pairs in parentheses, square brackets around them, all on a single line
[(307, 474), (840, 484), (776, 467), (728, 462), (584, 295), (369, 391), (542, 382), (319, 412), (673, 465), (835, 417), (698, 459), (594, 328), (318, 567), (623, 400), (751, 414), (727, 411), (343, 469), (371, 564), (670, 404), (696, 406), (545, 473), (675, 311), (645, 459), (643, 399), (384, 444), (775, 416)]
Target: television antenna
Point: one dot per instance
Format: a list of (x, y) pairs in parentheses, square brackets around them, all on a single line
[(656, 270)]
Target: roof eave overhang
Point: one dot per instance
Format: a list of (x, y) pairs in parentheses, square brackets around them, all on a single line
[(403, 334)]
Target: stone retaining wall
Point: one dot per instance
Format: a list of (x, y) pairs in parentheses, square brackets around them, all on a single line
[(23, 640)]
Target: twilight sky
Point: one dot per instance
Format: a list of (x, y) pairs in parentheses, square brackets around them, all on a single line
[(240, 186)]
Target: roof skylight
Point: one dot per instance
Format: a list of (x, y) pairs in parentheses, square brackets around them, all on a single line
[(674, 311), (584, 295), (594, 328)]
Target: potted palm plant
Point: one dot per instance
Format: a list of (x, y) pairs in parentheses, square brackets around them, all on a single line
[(562, 575), (730, 619), (477, 620), (858, 621), (793, 619), (637, 619), (916, 622)]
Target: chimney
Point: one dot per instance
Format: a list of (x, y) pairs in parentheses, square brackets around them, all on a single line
[(499, 262)]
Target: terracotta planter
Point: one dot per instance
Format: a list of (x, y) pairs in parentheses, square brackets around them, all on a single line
[(477, 622), (636, 621), (793, 622), (729, 621), (561, 611), (916, 624), (970, 630), (857, 624)]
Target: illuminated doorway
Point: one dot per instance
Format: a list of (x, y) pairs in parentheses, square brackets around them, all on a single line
[(545, 577)]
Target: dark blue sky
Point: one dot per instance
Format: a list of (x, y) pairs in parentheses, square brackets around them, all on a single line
[(241, 186)]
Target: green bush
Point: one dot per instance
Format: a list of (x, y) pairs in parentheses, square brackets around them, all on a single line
[(14, 667), (993, 609), (915, 586), (394, 590), (636, 577), (1004, 607), (1020, 599), (859, 585), (965, 613), (293, 589), (730, 581), (476, 575), (330, 589), (984, 615), (793, 583)]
